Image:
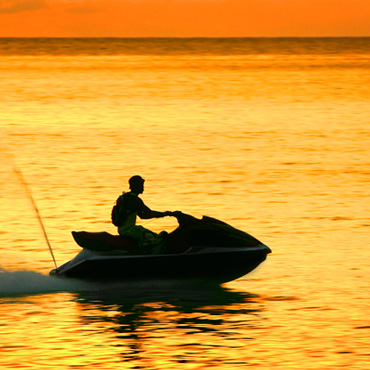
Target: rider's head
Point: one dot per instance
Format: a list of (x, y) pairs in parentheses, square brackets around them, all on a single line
[(136, 184)]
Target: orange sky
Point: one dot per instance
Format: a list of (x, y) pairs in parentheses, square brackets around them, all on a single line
[(182, 18)]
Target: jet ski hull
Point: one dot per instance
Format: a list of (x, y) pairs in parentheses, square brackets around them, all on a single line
[(218, 266), (205, 249)]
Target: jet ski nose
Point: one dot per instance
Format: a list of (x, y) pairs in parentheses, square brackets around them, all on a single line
[(268, 249)]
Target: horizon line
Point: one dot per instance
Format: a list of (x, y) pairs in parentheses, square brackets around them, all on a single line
[(181, 37)]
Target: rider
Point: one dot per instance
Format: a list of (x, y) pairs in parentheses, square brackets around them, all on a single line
[(128, 206)]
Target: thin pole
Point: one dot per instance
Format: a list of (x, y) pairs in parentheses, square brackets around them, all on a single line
[(23, 181)]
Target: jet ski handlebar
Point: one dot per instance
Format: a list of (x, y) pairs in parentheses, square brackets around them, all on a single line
[(183, 218)]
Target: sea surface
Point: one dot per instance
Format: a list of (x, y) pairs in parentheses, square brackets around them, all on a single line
[(269, 135)]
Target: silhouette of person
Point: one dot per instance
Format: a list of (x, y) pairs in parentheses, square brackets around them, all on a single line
[(128, 207)]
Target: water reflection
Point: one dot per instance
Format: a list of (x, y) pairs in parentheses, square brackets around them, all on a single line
[(196, 293), (180, 322)]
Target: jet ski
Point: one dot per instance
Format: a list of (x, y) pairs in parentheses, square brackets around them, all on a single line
[(203, 249)]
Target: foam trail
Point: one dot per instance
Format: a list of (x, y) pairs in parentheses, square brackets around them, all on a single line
[(27, 282), (31, 282)]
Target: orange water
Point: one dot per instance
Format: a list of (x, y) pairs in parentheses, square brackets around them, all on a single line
[(270, 136)]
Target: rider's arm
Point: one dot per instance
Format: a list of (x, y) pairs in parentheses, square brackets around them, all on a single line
[(145, 212)]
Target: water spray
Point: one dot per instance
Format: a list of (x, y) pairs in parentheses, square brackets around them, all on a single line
[(23, 181)]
